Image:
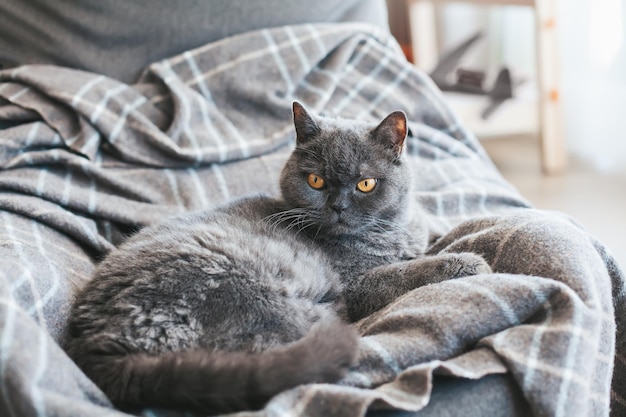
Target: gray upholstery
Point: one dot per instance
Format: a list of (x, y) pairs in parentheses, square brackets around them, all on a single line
[(119, 38)]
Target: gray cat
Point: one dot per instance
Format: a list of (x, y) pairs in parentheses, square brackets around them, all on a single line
[(221, 310)]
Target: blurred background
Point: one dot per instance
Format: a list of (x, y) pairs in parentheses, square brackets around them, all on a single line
[(557, 130)]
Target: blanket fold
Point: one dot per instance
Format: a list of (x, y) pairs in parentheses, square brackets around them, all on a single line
[(86, 160)]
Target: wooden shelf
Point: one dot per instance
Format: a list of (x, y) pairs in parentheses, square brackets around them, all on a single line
[(518, 113), (515, 117)]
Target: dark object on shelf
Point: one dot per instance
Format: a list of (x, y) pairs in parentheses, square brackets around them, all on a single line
[(471, 81), (501, 91)]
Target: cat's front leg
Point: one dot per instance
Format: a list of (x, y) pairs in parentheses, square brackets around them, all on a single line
[(381, 285)]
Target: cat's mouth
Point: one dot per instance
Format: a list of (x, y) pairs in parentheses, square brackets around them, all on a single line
[(337, 219), (332, 223), (339, 224)]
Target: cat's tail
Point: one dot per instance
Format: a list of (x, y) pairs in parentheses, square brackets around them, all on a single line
[(208, 382)]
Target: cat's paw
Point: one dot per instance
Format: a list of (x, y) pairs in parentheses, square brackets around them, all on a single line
[(466, 264), (334, 345)]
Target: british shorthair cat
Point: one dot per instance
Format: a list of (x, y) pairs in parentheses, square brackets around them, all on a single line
[(220, 310)]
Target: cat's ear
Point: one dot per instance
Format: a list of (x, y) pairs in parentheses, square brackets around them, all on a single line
[(394, 130), (304, 123)]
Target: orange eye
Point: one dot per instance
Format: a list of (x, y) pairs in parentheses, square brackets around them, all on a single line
[(366, 185), (315, 181)]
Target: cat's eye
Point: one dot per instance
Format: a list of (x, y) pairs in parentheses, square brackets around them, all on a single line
[(366, 185), (315, 181)]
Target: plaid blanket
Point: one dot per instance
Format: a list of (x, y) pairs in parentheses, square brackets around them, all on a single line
[(85, 160)]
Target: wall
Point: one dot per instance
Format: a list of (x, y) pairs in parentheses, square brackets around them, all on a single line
[(593, 57), (592, 42)]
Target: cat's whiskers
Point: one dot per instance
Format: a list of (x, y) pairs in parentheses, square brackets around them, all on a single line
[(279, 217), (295, 218), (383, 226), (300, 224), (319, 229)]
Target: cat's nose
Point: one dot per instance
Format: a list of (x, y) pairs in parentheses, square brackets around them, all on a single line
[(339, 201), (339, 206)]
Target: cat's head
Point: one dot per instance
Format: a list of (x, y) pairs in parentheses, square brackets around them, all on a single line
[(348, 176)]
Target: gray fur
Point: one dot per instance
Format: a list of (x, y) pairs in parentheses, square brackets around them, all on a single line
[(221, 310), (378, 241)]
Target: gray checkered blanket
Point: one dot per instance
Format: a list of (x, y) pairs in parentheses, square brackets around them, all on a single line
[(85, 160)]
